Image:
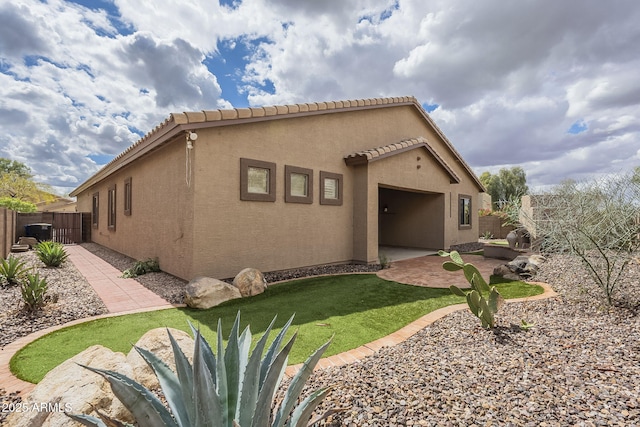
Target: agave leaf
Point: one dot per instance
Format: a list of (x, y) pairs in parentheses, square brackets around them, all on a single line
[(207, 352), (87, 420), (184, 371), (232, 369), (270, 385), (297, 384), (272, 351), (451, 266), (251, 381), (221, 375), (302, 414), (170, 384), (144, 405), (207, 402), (457, 291)]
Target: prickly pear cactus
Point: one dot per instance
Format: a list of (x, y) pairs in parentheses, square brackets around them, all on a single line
[(483, 300)]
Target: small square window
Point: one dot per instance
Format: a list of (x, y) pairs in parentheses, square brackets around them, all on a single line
[(330, 188), (298, 185), (257, 180), (464, 211), (127, 196)]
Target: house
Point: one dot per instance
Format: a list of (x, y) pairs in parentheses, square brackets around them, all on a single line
[(58, 204), (211, 192)]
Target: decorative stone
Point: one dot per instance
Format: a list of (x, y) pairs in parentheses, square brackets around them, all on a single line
[(206, 292), (523, 266), (250, 282), (74, 389), (157, 341), (32, 242)]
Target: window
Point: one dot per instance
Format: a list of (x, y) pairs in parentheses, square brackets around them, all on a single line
[(257, 180), (464, 211), (111, 208), (330, 188), (127, 196), (298, 185), (95, 208)]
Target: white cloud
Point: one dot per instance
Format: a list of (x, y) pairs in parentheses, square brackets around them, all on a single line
[(510, 78)]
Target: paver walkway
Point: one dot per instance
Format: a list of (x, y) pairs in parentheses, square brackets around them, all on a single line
[(427, 271), (118, 294)]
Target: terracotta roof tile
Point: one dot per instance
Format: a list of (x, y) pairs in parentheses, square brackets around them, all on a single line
[(244, 113), (229, 114), (180, 119)]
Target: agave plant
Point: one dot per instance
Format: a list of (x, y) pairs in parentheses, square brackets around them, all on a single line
[(233, 388), (33, 291), (52, 254), (12, 269)]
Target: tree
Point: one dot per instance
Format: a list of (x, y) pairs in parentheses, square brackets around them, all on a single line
[(14, 167), (16, 182), (507, 185), (597, 221)]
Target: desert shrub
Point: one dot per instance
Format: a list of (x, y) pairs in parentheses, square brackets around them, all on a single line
[(235, 387), (12, 269), (33, 290), (52, 254), (141, 267)]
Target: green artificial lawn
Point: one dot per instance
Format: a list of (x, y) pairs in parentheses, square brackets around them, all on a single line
[(354, 309)]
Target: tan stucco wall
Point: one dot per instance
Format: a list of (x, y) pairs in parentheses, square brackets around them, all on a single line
[(205, 229), (160, 224), (235, 234)]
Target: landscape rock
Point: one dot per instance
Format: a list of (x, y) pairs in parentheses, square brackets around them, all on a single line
[(207, 292), (74, 389), (250, 282), (157, 341), (522, 267)]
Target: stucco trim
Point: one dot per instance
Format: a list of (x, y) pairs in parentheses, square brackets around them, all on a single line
[(374, 154)]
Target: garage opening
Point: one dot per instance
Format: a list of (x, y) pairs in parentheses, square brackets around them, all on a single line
[(410, 219)]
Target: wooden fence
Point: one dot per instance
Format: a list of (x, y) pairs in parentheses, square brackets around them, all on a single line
[(66, 227), (7, 231)]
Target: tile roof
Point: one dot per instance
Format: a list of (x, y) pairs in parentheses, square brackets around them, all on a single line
[(373, 154), (177, 123)]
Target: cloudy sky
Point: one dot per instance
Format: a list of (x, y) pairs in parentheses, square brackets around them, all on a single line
[(550, 86)]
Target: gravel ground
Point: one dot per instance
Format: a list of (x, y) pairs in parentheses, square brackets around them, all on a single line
[(578, 365)]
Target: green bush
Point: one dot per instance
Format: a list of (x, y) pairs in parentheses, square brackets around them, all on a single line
[(141, 267), (236, 387), (52, 254), (12, 269), (33, 291)]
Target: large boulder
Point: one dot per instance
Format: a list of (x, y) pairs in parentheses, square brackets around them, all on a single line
[(250, 282), (206, 292), (522, 267), (157, 341), (74, 389)]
